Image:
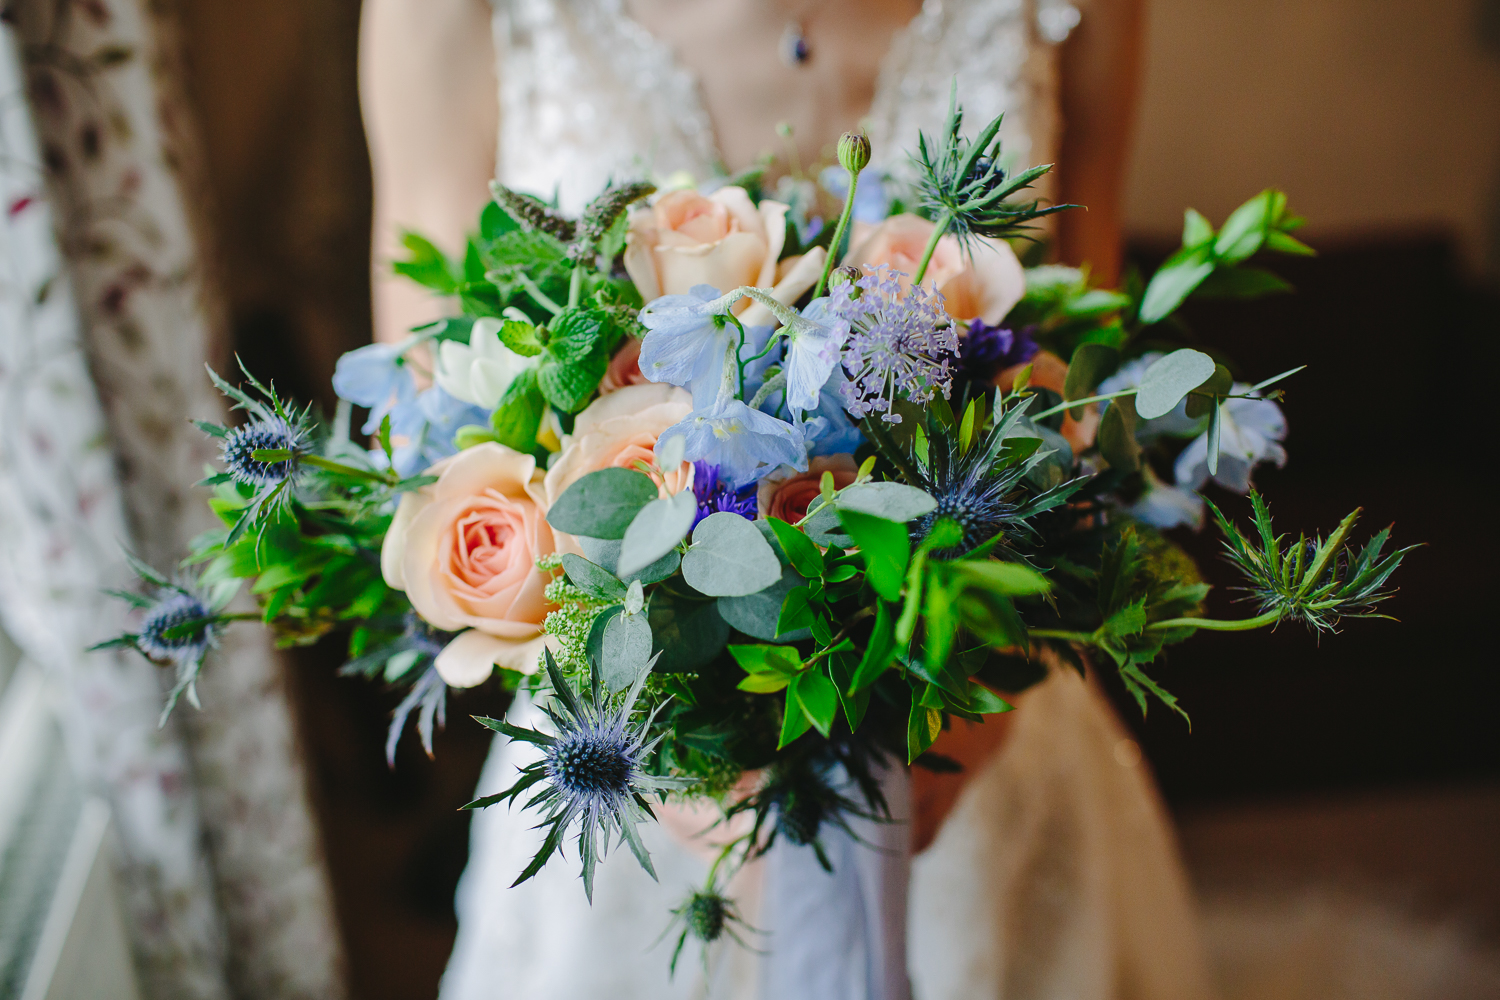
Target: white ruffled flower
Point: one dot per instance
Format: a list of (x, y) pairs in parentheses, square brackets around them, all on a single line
[(1251, 431), (481, 372)]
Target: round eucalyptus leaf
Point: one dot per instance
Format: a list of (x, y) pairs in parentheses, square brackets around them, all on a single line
[(602, 504), (625, 651), (1171, 378), (755, 614), (729, 558), (655, 531), (891, 501)]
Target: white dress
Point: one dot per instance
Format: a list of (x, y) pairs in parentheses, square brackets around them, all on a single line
[(1055, 876)]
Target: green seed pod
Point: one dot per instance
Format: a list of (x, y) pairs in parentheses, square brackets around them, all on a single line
[(854, 151)]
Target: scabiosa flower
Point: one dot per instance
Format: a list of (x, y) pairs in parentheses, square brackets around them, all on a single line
[(714, 496), (898, 343), (592, 773), (985, 351)]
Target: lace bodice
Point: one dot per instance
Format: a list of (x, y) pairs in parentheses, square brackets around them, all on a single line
[(587, 93)]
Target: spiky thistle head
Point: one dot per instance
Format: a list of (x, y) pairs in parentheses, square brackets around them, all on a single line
[(180, 622), (247, 451), (706, 916), (592, 772), (1315, 581), (982, 486), (964, 181)]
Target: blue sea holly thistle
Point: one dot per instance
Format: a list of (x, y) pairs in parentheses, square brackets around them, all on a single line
[(591, 774), (964, 188), (180, 622)]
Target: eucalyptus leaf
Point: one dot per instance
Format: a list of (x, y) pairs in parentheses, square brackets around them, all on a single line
[(626, 649), (687, 633), (603, 504), (729, 558), (1215, 429), (825, 528), (1219, 383), (1168, 380), (889, 501), (756, 614), (592, 579), (605, 552), (1091, 364), (1117, 442), (656, 530)]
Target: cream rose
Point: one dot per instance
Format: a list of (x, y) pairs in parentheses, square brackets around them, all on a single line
[(686, 239), (464, 549), (624, 368), (985, 285), (789, 497), (618, 430)]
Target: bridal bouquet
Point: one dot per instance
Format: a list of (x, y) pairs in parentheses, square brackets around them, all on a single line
[(724, 508)]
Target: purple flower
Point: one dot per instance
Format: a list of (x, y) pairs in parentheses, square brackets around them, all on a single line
[(714, 496), (986, 350), (898, 343)]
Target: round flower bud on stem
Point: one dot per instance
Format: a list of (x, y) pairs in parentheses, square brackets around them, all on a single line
[(854, 151), (846, 274)]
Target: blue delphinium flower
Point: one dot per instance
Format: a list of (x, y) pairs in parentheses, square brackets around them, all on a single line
[(687, 338), (899, 343), (745, 444), (374, 377), (714, 495), (812, 352), (592, 773)]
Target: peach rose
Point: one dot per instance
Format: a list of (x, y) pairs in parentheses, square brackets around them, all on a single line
[(688, 239), (1048, 371), (464, 549), (789, 497), (618, 430), (985, 285), (624, 368)]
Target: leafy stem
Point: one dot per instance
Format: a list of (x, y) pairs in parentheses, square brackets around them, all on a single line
[(575, 286), (329, 465), (535, 291)]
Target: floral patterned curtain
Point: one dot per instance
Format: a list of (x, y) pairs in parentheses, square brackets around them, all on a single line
[(103, 276)]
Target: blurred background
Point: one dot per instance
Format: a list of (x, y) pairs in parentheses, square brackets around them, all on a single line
[(1362, 771)]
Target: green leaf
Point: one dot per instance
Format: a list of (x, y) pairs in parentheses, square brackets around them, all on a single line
[(923, 727), (818, 697), (656, 530), (1091, 364), (890, 501), (1241, 283), (626, 648), (729, 557), (796, 614), (885, 547), (1174, 282), (1219, 383), (1117, 443), (1012, 579), (470, 435), (1245, 230), (603, 504), (794, 721), (1196, 230), (767, 659), (1129, 620), (576, 334), (983, 701), (800, 550), (1283, 243), (757, 614), (686, 633), (427, 265), (880, 650), (594, 580), (569, 386), (763, 683), (523, 338), (1169, 379), (1215, 432)]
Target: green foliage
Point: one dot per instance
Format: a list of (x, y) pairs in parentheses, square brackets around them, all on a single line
[(602, 504), (1317, 581), (729, 558)]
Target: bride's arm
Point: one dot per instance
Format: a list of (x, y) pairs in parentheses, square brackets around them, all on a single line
[(427, 87), (1100, 78)]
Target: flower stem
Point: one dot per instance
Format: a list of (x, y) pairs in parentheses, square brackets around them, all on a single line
[(575, 286), (943, 222), (1052, 633), (1218, 624), (838, 234), (541, 297), (873, 429), (328, 464), (1070, 403)]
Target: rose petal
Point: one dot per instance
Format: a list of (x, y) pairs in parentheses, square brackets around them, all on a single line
[(471, 657)]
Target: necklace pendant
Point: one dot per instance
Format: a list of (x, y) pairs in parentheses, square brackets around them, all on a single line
[(793, 46)]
